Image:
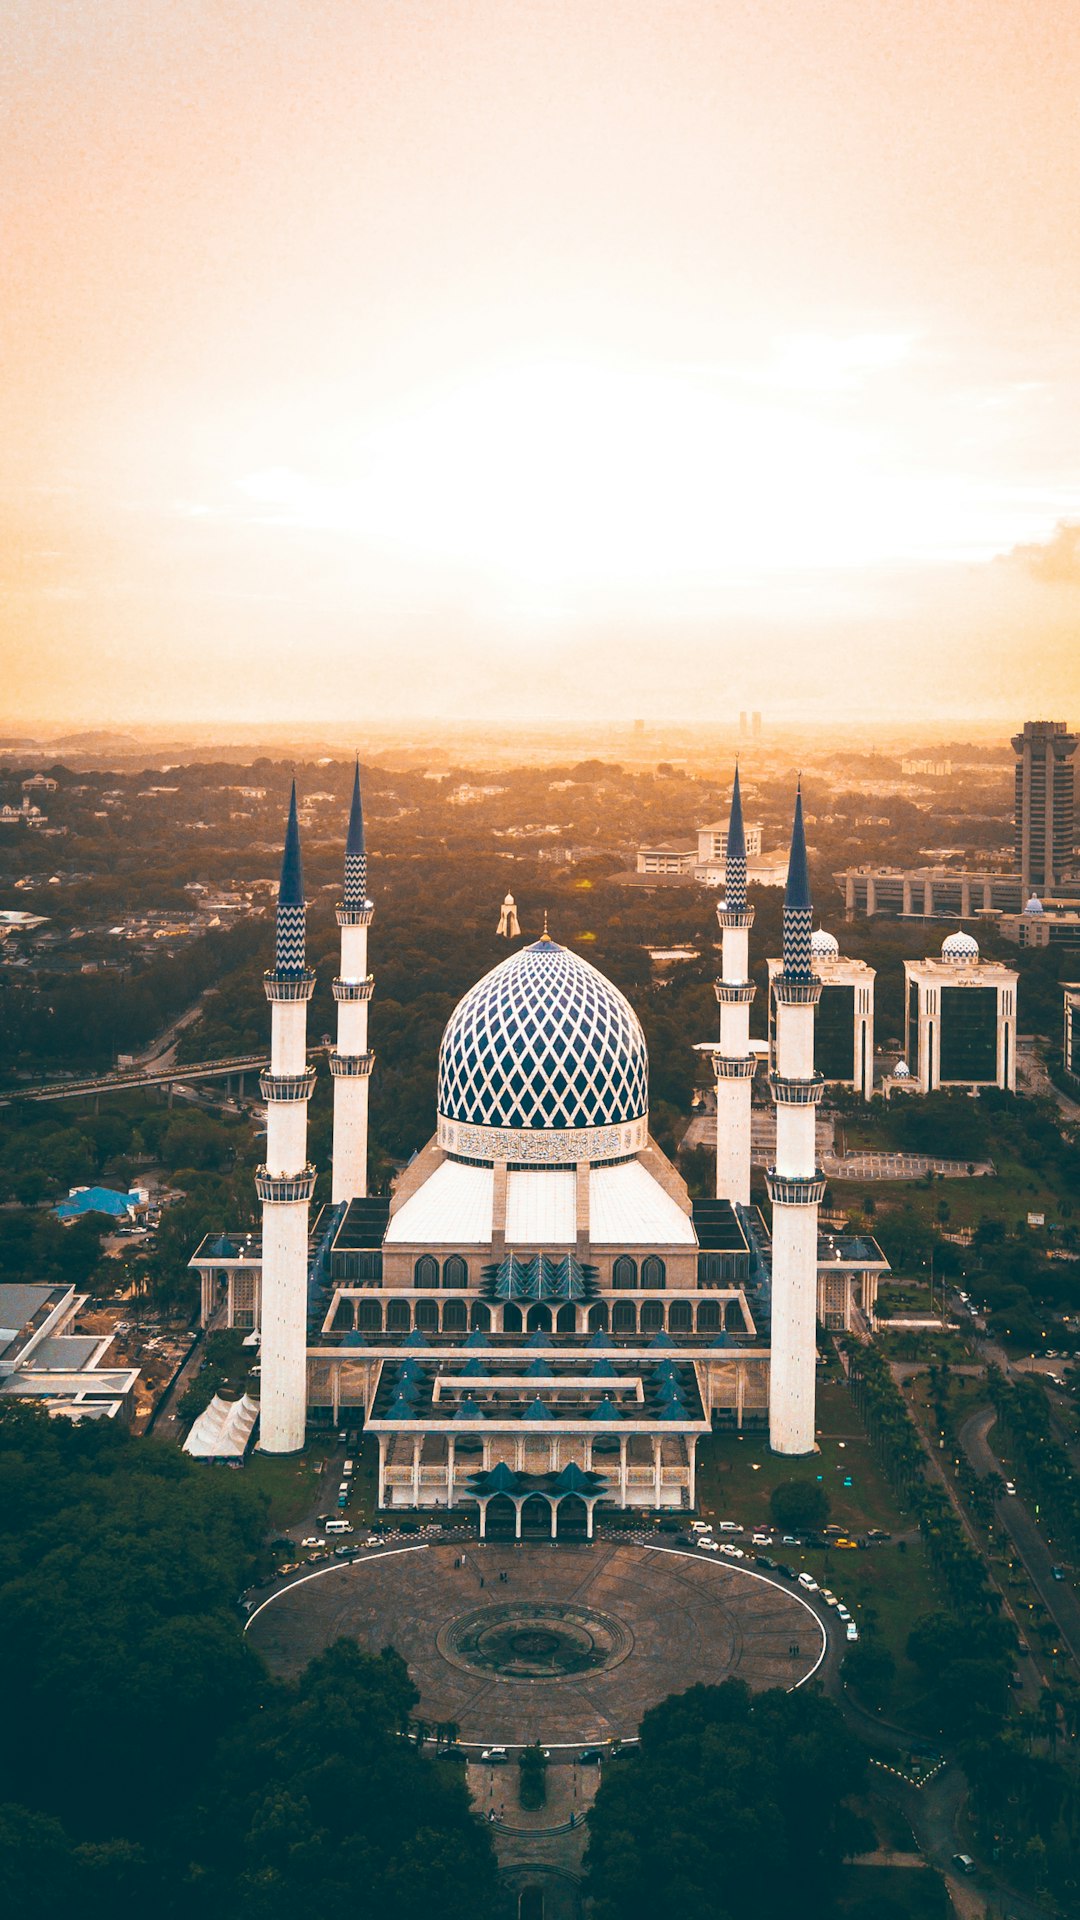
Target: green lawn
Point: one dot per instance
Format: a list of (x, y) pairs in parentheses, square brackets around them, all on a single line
[(919, 1893), (887, 1588), (290, 1481)]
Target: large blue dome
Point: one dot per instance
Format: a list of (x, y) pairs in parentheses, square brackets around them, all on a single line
[(543, 1060)]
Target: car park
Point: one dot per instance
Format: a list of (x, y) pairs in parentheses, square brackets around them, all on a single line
[(495, 1756)]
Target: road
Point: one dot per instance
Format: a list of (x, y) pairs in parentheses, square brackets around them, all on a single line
[(1057, 1596)]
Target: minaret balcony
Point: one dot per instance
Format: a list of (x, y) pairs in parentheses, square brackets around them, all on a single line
[(794, 1190), (289, 986), (795, 993), (350, 1066), (287, 1087), (284, 1189), (734, 916), (356, 916), (734, 993), (796, 1093), (734, 1066), (354, 989)]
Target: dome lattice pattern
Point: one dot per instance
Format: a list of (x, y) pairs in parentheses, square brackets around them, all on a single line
[(543, 1040), (960, 946)]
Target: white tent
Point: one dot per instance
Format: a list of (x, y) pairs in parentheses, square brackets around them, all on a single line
[(223, 1429)]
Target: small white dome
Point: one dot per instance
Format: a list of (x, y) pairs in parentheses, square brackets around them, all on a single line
[(823, 946), (1034, 905), (901, 1071), (959, 947)]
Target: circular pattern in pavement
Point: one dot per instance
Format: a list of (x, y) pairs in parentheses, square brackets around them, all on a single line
[(582, 1642), (534, 1640)]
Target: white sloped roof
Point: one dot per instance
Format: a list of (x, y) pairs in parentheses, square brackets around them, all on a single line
[(223, 1429), (627, 1206), (541, 1207), (453, 1206)]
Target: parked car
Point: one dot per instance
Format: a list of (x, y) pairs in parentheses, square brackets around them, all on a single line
[(339, 1526), (1010, 1486), (964, 1863), (828, 1597), (1057, 1573), (707, 1546), (700, 1526), (851, 1630), (807, 1580), (761, 1539), (312, 1540), (730, 1526), (495, 1756)]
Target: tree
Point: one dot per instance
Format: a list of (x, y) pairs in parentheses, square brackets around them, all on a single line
[(722, 1782), (799, 1506)]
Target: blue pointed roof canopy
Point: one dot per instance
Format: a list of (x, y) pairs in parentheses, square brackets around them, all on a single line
[(797, 891), (355, 894), (291, 886), (736, 833)]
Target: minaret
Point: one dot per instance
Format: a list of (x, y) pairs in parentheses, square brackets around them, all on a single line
[(796, 1188), (286, 1183), (350, 1061), (732, 1059)]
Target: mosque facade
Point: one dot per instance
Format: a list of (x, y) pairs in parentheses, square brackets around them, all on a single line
[(538, 1320)]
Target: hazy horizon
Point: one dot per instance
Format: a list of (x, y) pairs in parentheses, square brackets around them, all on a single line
[(487, 362)]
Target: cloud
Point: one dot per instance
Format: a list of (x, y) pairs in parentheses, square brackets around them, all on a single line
[(1056, 561)]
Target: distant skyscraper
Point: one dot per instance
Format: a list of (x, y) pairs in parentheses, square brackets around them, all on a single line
[(1045, 803), (755, 725)]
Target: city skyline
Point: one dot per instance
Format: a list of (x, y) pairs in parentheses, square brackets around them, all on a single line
[(495, 357)]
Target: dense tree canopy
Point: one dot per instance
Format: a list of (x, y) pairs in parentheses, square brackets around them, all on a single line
[(156, 1761), (734, 1804), (802, 1506)]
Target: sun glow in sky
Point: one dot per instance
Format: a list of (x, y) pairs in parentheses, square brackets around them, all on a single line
[(349, 349)]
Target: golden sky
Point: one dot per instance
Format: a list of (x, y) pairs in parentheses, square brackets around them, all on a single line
[(539, 356)]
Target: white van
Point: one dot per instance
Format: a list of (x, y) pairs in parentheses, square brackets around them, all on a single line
[(339, 1526)]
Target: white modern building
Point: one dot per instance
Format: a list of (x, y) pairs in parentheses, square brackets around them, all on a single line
[(960, 1019), (844, 1029)]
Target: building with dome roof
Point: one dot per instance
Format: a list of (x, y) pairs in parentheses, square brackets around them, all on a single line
[(538, 1320), (844, 1029), (960, 1019)]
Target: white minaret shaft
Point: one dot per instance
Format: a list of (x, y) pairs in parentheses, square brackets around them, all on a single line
[(732, 1059), (286, 1183), (350, 1062), (795, 1187)]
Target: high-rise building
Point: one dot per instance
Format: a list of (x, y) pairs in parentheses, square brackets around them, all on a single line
[(1045, 806), (1071, 1046), (844, 1029), (960, 1019)]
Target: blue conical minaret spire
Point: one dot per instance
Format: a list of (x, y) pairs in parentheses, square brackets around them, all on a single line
[(291, 910), (735, 872), (798, 909), (355, 894)]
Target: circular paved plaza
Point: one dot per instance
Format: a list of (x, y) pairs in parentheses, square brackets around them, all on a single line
[(572, 1647)]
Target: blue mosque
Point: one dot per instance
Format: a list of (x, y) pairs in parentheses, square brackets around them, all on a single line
[(537, 1321)]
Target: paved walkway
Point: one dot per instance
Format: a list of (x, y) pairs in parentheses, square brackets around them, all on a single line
[(634, 1623)]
